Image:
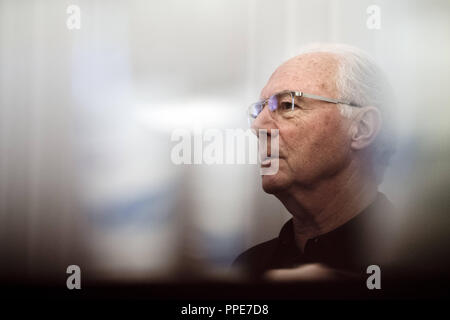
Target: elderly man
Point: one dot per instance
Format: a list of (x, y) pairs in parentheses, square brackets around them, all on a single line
[(329, 106)]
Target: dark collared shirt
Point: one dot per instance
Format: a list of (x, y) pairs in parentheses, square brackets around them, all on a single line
[(360, 242)]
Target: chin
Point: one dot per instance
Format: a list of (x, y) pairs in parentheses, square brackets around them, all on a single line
[(274, 183)]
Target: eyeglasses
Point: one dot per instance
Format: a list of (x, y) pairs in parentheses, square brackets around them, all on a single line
[(283, 104)]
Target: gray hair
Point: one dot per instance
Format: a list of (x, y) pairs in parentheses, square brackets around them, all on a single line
[(362, 82)]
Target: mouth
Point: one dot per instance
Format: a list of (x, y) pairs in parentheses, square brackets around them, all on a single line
[(266, 161)]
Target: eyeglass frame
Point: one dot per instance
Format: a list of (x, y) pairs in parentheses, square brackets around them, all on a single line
[(299, 94)]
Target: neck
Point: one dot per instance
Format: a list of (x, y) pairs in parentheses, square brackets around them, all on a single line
[(329, 204)]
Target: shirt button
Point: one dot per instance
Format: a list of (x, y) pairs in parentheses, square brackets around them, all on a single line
[(316, 240)]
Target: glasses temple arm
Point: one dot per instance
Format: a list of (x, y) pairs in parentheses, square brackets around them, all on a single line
[(313, 96)]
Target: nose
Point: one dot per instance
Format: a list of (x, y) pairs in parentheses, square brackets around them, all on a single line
[(264, 121)]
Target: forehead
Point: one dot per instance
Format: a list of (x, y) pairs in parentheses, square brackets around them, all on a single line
[(311, 73)]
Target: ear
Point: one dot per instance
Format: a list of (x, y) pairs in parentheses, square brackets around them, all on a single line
[(367, 124)]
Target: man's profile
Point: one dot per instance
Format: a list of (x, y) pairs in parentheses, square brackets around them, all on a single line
[(329, 105)]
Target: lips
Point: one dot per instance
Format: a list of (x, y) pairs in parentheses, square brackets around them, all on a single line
[(266, 157), (263, 156), (266, 161)]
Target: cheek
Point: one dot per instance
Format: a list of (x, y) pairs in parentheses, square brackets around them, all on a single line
[(327, 131), (320, 136)]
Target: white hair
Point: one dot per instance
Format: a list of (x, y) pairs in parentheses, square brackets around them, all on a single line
[(361, 81)]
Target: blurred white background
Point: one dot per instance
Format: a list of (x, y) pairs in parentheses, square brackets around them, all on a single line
[(86, 118)]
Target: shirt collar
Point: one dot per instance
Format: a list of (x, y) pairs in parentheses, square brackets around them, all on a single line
[(348, 232)]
